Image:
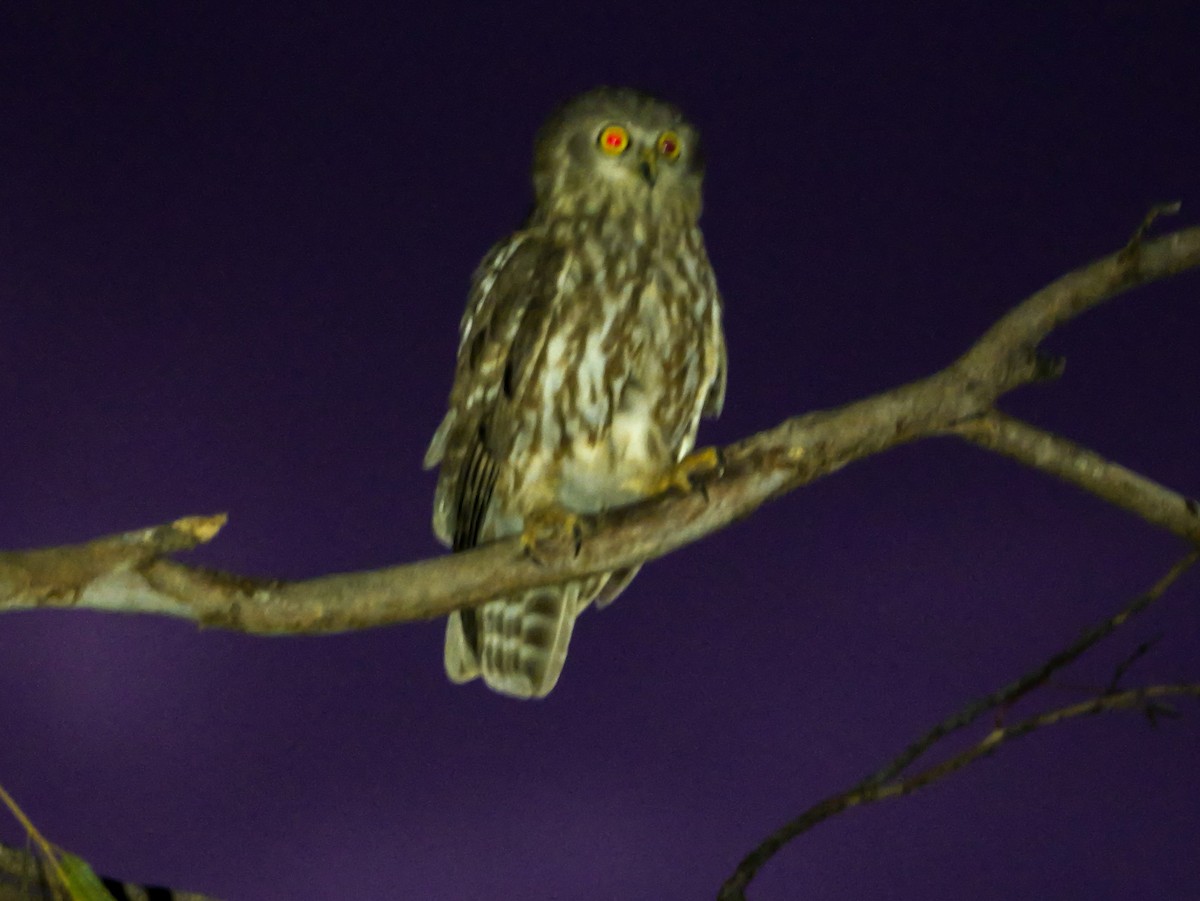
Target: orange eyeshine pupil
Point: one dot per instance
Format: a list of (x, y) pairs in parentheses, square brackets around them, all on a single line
[(614, 139), (668, 145)]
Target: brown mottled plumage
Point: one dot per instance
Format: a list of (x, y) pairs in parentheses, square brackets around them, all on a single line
[(590, 347)]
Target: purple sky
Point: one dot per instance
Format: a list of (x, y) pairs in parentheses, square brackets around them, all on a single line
[(234, 249)]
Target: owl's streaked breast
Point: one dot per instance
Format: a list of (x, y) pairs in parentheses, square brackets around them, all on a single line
[(627, 355)]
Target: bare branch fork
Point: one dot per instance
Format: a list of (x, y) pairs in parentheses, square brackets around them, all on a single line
[(129, 572)]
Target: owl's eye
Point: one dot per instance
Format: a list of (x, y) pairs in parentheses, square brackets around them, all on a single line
[(613, 140), (669, 144)]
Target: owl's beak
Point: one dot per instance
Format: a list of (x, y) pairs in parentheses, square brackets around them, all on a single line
[(649, 166)]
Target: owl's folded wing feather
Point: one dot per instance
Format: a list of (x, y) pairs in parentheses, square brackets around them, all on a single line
[(715, 399), (503, 331)]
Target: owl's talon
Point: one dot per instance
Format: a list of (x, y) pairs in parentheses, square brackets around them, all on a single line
[(693, 472), (549, 527)]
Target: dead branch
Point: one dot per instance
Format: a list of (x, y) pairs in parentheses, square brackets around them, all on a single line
[(885, 783), (1084, 468), (128, 572)]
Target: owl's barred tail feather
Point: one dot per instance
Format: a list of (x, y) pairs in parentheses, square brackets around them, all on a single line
[(518, 644)]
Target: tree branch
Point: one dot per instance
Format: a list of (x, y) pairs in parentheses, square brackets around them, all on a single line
[(1086, 469), (957, 400), (885, 782)]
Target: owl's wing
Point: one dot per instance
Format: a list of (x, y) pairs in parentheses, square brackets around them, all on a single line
[(715, 399), (501, 337)]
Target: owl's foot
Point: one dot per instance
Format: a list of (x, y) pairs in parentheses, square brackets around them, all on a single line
[(693, 472), (549, 529)]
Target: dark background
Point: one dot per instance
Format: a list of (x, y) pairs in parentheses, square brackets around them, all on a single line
[(234, 249)]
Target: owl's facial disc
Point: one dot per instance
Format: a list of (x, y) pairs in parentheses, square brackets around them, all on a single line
[(618, 145)]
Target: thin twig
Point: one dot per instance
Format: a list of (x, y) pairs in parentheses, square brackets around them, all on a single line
[(1170, 208), (880, 784), (734, 888), (1031, 680), (1124, 666)]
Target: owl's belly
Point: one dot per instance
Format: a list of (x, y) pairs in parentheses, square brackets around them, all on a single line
[(616, 469), (613, 414)]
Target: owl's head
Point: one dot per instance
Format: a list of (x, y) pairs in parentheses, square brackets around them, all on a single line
[(618, 144)]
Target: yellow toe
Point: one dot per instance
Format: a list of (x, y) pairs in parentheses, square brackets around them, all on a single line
[(690, 472), (550, 526)]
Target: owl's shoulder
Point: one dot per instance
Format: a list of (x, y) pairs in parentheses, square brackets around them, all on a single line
[(520, 271)]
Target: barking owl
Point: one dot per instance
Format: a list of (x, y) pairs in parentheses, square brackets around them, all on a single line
[(589, 350)]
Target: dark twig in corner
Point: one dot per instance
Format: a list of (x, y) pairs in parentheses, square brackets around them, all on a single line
[(883, 783)]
